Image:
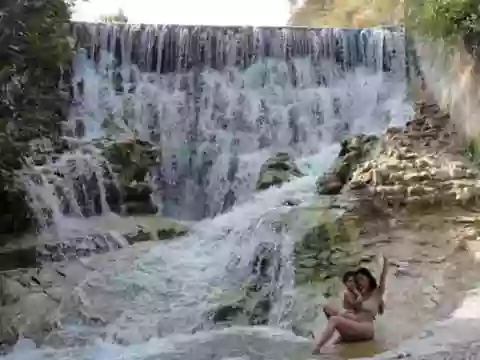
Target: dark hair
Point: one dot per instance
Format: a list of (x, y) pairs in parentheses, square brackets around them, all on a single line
[(347, 276), (368, 274)]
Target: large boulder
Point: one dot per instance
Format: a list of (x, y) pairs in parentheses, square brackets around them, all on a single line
[(352, 153), (276, 170), (328, 245)]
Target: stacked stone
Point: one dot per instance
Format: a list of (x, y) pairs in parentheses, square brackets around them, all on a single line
[(426, 130), (412, 169)]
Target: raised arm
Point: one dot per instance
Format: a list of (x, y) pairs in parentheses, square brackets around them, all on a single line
[(383, 275)]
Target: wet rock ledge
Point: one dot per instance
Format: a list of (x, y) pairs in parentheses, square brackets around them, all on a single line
[(37, 254)]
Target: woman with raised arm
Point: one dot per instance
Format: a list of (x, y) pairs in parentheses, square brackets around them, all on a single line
[(361, 326)]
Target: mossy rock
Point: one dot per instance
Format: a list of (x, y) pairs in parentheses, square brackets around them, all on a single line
[(329, 184), (169, 229), (276, 170), (140, 234), (246, 308), (137, 192), (328, 247), (131, 159), (353, 152), (271, 178), (25, 257), (227, 313), (132, 199)]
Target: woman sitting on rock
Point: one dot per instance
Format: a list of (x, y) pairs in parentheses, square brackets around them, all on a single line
[(359, 327)]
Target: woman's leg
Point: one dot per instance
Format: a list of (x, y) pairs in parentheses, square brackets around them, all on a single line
[(330, 310), (349, 315), (347, 328)]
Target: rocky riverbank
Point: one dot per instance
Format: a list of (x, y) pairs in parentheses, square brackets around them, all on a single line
[(412, 196), (420, 174)]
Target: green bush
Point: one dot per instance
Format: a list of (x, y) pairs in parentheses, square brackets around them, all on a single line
[(472, 150), (445, 19), (36, 54)]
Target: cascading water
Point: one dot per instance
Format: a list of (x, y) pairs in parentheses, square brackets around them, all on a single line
[(218, 103)]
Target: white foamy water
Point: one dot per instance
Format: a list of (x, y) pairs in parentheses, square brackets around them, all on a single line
[(220, 101), (215, 129), (165, 294)]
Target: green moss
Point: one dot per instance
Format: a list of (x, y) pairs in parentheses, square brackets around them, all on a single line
[(327, 247), (131, 159), (169, 229), (276, 170)]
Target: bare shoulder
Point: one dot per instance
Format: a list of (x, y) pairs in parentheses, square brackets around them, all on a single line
[(348, 298), (348, 295)]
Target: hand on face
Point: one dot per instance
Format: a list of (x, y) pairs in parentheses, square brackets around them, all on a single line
[(362, 283), (351, 285)]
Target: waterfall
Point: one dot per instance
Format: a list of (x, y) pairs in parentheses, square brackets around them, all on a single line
[(216, 103), (219, 101)]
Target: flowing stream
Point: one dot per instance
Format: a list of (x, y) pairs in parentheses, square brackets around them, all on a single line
[(216, 124)]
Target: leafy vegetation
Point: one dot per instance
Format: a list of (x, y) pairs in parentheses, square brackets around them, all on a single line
[(119, 17), (349, 13), (34, 88), (445, 19), (472, 150)]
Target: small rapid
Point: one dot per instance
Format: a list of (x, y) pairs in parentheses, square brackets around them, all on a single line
[(155, 303)]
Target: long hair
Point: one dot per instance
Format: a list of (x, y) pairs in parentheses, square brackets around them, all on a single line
[(373, 285), (348, 275), (372, 282)]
